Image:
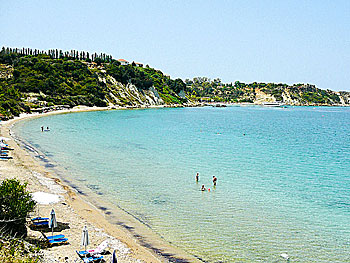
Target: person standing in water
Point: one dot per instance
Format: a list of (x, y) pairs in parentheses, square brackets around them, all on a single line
[(214, 180), (42, 128), (197, 177)]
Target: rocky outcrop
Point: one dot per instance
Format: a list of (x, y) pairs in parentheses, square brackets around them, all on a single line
[(129, 95), (302, 95), (262, 97), (344, 97)]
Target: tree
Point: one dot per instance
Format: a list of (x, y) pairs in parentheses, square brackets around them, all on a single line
[(15, 205)]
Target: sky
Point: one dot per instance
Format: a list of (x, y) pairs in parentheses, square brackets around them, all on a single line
[(279, 41)]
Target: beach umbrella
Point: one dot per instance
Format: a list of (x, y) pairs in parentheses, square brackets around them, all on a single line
[(53, 222), (114, 257), (42, 198), (85, 237)]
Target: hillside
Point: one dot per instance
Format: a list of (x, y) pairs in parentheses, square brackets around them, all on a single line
[(33, 80), (29, 82), (204, 89)]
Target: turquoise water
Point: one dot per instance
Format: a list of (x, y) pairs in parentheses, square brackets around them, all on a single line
[(283, 175)]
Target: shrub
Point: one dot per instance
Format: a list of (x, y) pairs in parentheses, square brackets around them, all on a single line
[(15, 204), (13, 250)]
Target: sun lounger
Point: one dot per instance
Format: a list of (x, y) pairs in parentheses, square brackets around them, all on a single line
[(55, 237), (5, 157), (39, 218), (101, 249), (58, 239), (88, 259), (6, 149), (40, 221)]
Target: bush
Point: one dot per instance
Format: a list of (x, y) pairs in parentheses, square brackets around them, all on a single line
[(15, 204), (18, 251)]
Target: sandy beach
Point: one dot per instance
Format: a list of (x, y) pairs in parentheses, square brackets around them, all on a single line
[(135, 243)]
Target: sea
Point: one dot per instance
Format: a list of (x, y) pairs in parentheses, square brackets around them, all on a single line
[(283, 175)]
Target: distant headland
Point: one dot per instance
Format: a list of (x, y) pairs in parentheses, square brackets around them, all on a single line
[(35, 80)]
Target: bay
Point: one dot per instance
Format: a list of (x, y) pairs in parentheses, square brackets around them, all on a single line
[(283, 175)]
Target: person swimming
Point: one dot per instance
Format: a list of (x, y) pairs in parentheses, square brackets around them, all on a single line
[(214, 180), (203, 188)]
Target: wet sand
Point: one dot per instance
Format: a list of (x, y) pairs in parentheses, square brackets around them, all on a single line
[(133, 241)]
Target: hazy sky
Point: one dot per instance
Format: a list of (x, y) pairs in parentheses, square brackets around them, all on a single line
[(247, 40)]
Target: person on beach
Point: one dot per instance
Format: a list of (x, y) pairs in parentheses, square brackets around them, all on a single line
[(214, 180), (203, 188), (197, 177)]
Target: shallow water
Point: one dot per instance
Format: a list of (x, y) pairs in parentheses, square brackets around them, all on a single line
[(283, 175)]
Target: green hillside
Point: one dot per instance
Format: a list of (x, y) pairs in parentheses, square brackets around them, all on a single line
[(38, 79), (32, 79)]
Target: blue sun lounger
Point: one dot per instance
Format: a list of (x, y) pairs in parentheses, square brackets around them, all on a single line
[(39, 218), (40, 221), (5, 157), (84, 257), (58, 239), (55, 237)]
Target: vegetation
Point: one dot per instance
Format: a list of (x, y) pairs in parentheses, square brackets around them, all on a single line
[(30, 79), (15, 205), (13, 250), (214, 90), (46, 78)]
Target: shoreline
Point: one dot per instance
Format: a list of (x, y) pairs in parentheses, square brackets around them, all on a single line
[(133, 244)]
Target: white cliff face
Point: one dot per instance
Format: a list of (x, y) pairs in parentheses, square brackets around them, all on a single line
[(129, 95), (287, 99), (344, 97), (295, 96), (261, 97)]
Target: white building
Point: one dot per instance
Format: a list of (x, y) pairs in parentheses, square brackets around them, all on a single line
[(123, 62)]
